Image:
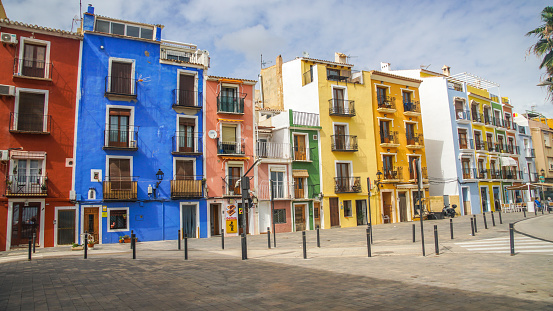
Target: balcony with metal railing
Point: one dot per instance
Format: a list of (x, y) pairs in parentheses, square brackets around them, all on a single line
[(230, 148), (272, 150), (33, 69), (185, 143), (414, 140), (462, 116), (281, 190), (231, 186), (469, 173), (480, 145), (392, 174), (347, 184), (494, 174), (26, 186), (341, 107), (120, 87), (465, 143), (120, 188), (186, 187), (344, 142), (187, 99), (29, 123), (482, 174), (122, 138), (490, 146), (477, 117), (386, 104), (412, 109), (231, 104), (488, 119), (303, 154), (389, 139), (530, 152), (497, 121), (412, 173)]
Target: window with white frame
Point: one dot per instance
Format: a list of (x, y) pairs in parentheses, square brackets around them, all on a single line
[(121, 77), (550, 162), (300, 187), (124, 29), (277, 176), (300, 147), (347, 208), (30, 114), (34, 58), (118, 219), (546, 139)]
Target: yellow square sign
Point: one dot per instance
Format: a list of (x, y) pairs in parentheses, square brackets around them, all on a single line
[(231, 226)]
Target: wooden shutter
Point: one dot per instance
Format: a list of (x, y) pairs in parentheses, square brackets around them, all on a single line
[(186, 90), (185, 169), (120, 174), (31, 112), (121, 78)]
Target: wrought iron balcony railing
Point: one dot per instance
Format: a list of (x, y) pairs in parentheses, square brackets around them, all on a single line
[(183, 187), (32, 68), (530, 153), (344, 142), (462, 115), (273, 150), (231, 104), (231, 147), (187, 99), (477, 117), (480, 144), (412, 107), (26, 185), (122, 138), (386, 102), (120, 188), (414, 139), (341, 107), (347, 184), (424, 173), (392, 173), (30, 123), (465, 144), (187, 143), (389, 138)]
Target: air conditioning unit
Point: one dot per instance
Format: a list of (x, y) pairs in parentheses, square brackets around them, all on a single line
[(8, 38), (7, 90), (4, 155)]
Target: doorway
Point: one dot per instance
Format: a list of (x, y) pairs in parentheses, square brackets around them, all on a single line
[(334, 212), (215, 216), (299, 216), (484, 197), (361, 209), (25, 222), (387, 207), (403, 207), (66, 227), (317, 214), (189, 220), (496, 202), (466, 201), (91, 222)]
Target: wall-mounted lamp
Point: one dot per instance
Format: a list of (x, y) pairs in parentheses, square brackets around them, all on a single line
[(378, 180), (159, 177)]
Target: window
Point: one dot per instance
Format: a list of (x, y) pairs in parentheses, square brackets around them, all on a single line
[(381, 96), (489, 139), (338, 101), (300, 150), (385, 132), (299, 188), (279, 216), (333, 74), (122, 29), (186, 94), (234, 174), (30, 113), (340, 136), (178, 56), (34, 60), (550, 162), (546, 140), (120, 174), (230, 100), (118, 219), (229, 143), (347, 208), (460, 110), (388, 167), (119, 130), (481, 169), (410, 133), (278, 184), (474, 112), (465, 165), (120, 80), (187, 135), (28, 177), (412, 171), (463, 143), (184, 169)]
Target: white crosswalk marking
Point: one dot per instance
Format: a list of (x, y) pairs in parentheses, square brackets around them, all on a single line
[(502, 245)]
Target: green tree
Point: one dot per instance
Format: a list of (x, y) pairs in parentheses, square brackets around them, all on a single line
[(544, 46)]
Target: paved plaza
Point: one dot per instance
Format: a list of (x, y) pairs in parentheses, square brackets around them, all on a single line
[(471, 272)]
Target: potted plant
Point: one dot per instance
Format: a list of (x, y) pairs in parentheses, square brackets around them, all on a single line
[(76, 247), (43, 187), (121, 240), (91, 244), (127, 238)]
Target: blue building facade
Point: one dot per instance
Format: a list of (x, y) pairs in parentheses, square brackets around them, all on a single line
[(139, 158)]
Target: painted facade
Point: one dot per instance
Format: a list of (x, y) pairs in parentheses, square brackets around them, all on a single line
[(39, 93), (139, 162)]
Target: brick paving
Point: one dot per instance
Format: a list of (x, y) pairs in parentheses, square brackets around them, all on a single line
[(337, 276)]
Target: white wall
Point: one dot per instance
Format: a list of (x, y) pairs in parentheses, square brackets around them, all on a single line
[(295, 96)]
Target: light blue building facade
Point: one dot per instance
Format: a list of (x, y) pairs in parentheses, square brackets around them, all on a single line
[(140, 153)]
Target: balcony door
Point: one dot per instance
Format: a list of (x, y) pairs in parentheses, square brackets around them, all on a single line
[(338, 96), (34, 60), (299, 148), (184, 170), (30, 116), (229, 144), (340, 136), (412, 168), (343, 177), (186, 134), (120, 174), (460, 109), (234, 174), (465, 165), (410, 133), (25, 222), (28, 178), (388, 166), (463, 139), (278, 184), (385, 132), (121, 79), (381, 96), (118, 135), (186, 90)]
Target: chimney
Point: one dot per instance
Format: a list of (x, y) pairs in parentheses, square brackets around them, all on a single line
[(340, 58), (90, 9), (385, 66), (446, 70)]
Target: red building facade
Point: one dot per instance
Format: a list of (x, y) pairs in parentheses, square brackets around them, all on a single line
[(38, 96)]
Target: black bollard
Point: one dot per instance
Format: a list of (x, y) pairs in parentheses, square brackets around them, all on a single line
[(493, 219), (133, 245), (535, 210), (472, 225), (512, 238), (274, 236), (178, 239), (318, 237), (451, 227), (485, 222), (436, 245), (413, 233), (242, 244), (500, 218), (524, 211), (304, 245), (269, 237), (222, 238), (185, 246), (85, 245), (369, 241), (475, 226), (34, 242), (30, 248), (132, 233)]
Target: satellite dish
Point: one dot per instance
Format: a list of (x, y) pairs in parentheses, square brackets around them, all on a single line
[(212, 134)]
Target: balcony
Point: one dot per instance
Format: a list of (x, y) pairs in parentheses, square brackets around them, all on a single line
[(490, 146), (533, 177), (480, 145), (497, 121), (462, 116), (32, 69), (482, 174), (412, 175), (231, 104), (347, 184), (186, 187), (530, 153), (488, 120), (512, 174), (503, 123), (187, 143), (389, 139), (305, 118), (124, 138), (412, 109), (281, 191), (26, 186), (469, 173), (494, 174), (415, 141), (230, 148), (120, 188), (513, 149), (392, 174), (274, 150), (341, 107), (231, 186), (187, 100), (344, 142), (303, 154), (120, 88), (507, 124), (465, 144), (30, 123), (477, 117), (386, 104), (501, 148), (522, 130)]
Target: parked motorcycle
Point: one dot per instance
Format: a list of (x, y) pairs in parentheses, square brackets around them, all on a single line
[(449, 211)]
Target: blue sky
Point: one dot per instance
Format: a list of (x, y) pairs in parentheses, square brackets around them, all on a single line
[(485, 38)]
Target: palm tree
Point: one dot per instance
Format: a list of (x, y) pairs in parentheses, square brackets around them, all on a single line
[(544, 46)]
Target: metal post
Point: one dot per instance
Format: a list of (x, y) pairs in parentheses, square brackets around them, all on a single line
[(178, 239), (31, 249), (132, 232), (318, 237), (273, 213), (413, 233), (34, 242), (421, 209), (493, 219), (500, 218), (85, 245), (370, 223), (133, 244), (369, 241), (485, 222), (472, 225), (475, 226), (185, 246), (304, 245), (269, 237), (222, 238), (436, 245), (242, 245), (524, 211), (535, 210), (512, 238), (451, 227)]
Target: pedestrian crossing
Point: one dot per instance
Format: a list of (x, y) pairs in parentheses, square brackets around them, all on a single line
[(502, 245)]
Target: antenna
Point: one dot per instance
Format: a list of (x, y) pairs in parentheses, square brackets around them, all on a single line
[(264, 63), (349, 56), (305, 54), (425, 66), (77, 18)]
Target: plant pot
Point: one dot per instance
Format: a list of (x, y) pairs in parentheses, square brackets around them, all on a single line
[(78, 248), (127, 240), (90, 245), (121, 241)]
